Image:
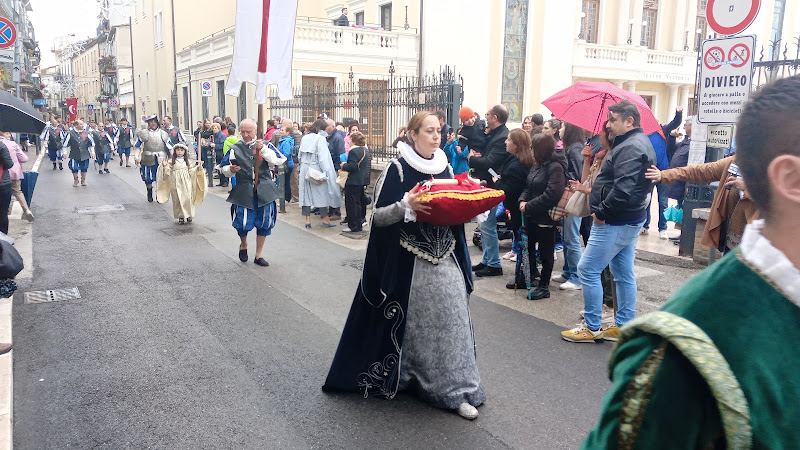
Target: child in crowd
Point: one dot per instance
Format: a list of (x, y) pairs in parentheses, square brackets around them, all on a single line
[(184, 183)]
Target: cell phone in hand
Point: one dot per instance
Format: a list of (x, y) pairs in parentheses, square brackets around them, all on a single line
[(493, 173)]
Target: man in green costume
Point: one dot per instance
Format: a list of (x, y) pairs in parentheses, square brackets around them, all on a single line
[(717, 367)]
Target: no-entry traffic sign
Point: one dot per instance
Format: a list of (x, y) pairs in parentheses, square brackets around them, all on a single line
[(725, 78), (8, 33), (113, 103), (729, 17)]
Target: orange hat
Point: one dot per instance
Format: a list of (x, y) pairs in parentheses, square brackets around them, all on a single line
[(465, 113)]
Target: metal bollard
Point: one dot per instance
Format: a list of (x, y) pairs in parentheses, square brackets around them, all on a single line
[(282, 180)]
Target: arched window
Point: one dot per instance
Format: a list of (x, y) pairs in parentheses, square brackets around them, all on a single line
[(516, 35)]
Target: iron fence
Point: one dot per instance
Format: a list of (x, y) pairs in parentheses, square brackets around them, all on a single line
[(777, 62), (380, 106)]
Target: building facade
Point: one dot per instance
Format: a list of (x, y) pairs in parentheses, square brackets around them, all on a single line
[(518, 52)]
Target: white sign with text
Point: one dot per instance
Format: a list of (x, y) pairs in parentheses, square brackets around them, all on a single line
[(725, 78)]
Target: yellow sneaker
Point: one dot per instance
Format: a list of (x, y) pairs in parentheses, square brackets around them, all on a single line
[(582, 334), (611, 333)]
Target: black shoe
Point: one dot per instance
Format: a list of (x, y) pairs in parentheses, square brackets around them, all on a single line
[(479, 266), (539, 293), (675, 238), (150, 195), (100, 171), (54, 166), (106, 171), (489, 272), (120, 162), (243, 255), (261, 262), (60, 167)]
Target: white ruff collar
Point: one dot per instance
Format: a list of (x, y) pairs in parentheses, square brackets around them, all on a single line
[(433, 166), (770, 261)]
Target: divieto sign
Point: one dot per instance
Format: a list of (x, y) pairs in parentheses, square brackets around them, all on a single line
[(725, 78)]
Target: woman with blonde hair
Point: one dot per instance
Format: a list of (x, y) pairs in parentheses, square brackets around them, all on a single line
[(409, 326)]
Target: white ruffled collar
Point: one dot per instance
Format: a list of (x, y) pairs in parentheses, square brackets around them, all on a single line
[(433, 166), (770, 261)]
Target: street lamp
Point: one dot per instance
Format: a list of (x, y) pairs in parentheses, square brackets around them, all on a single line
[(686, 40), (699, 38), (406, 25), (630, 31)]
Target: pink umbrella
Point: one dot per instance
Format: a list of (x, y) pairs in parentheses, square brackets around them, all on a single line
[(585, 104)]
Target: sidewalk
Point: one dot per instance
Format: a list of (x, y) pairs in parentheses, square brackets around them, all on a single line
[(19, 229)]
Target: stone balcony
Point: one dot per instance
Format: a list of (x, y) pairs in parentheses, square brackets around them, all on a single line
[(633, 63), (321, 45)]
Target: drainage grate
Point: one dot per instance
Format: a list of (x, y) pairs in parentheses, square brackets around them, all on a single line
[(52, 295), (185, 230), (98, 209)]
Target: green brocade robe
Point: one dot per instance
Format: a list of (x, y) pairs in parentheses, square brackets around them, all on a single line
[(659, 400)]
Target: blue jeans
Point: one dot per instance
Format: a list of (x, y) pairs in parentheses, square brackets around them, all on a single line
[(663, 203), (491, 246), (614, 246), (572, 248)]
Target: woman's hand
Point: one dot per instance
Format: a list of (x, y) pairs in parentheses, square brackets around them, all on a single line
[(522, 206), (414, 201), (587, 152), (577, 186), (212, 145), (653, 174)]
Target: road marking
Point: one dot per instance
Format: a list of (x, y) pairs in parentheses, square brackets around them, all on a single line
[(35, 167)]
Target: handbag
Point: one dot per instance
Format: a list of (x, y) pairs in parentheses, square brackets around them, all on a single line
[(10, 261), (315, 175), (559, 211), (341, 178), (578, 204)]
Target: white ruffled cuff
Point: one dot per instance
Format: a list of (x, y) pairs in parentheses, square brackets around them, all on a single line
[(410, 214)]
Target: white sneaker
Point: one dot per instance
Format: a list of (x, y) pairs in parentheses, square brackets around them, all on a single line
[(570, 286), (508, 255), (513, 258), (467, 411), (663, 234), (559, 279)]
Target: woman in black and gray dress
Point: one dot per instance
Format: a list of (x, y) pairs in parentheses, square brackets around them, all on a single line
[(409, 327)]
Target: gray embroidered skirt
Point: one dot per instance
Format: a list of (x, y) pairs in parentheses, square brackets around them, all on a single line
[(438, 357)]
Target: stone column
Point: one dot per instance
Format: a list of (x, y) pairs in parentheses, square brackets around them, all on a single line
[(685, 89), (681, 23), (619, 83), (630, 86), (673, 100), (623, 27)]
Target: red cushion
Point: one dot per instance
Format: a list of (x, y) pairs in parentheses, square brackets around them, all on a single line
[(456, 201)]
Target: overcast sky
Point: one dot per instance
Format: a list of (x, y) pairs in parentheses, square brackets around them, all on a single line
[(54, 18)]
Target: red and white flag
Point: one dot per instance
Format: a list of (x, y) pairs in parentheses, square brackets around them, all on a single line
[(263, 46)]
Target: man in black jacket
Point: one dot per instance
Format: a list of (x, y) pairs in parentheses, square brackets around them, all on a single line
[(343, 21), (485, 155), (619, 199)]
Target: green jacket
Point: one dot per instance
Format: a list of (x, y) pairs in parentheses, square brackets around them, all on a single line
[(747, 395), (228, 142)]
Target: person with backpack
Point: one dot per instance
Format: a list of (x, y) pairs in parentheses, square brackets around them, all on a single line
[(53, 135), (285, 146)]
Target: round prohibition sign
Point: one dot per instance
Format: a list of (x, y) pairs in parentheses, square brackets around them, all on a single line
[(714, 58), (729, 17), (8, 33), (206, 85), (739, 55)]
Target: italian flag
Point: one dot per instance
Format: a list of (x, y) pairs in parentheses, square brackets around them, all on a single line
[(263, 46)]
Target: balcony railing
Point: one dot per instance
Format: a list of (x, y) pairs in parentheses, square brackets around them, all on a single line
[(633, 63), (320, 43)]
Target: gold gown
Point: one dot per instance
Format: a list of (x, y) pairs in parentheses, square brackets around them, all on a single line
[(186, 185)]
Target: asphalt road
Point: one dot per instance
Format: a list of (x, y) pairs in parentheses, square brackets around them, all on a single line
[(174, 343)]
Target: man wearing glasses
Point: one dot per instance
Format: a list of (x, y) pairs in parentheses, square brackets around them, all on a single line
[(619, 200), (484, 156)]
